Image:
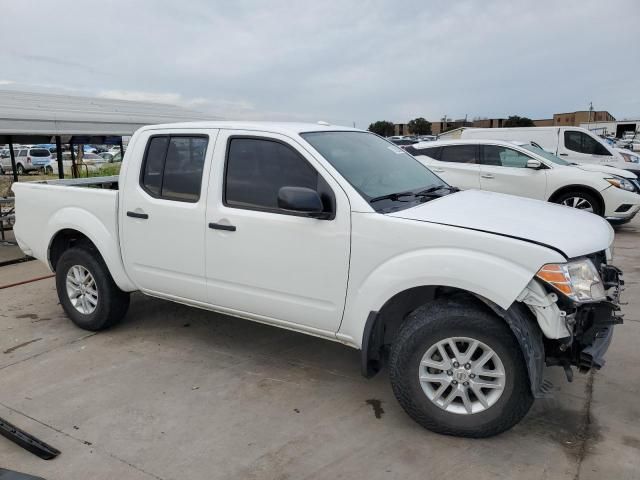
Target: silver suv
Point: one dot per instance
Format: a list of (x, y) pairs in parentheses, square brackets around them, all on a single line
[(28, 159)]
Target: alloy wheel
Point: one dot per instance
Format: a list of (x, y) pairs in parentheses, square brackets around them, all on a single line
[(579, 203), (82, 289), (462, 375)]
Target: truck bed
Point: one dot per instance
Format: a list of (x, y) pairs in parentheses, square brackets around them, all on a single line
[(88, 205), (104, 182)]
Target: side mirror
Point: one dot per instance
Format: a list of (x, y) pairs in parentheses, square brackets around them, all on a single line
[(535, 164), (301, 200)]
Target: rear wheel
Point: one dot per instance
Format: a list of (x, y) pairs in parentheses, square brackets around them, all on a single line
[(580, 200), (48, 170), (457, 369), (86, 290), (20, 169)]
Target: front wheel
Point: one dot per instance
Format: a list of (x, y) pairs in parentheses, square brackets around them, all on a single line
[(87, 291), (48, 170), (584, 201), (457, 369)]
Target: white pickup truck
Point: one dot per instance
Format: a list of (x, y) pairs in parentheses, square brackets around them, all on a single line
[(337, 233)]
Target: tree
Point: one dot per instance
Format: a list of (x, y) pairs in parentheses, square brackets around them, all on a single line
[(382, 127), (516, 121), (419, 126)]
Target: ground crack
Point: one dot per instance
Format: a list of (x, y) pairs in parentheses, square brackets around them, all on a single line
[(585, 424)]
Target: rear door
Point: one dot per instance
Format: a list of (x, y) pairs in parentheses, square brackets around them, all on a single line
[(162, 213), (458, 165), (267, 263), (504, 170)]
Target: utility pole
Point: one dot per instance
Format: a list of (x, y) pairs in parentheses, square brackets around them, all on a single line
[(590, 111)]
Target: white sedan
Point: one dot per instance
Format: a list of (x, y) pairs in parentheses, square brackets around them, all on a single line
[(523, 169)]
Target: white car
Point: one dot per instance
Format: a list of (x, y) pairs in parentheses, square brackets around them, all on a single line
[(573, 144), (522, 169), (337, 233)]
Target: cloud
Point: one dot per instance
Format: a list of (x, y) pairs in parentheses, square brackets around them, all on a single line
[(336, 60), (6, 82)]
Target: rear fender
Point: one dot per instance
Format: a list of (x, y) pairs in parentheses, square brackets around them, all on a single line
[(105, 239)]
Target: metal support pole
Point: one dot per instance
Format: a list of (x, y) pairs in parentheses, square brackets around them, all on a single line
[(13, 160), (73, 160), (121, 149), (59, 155)]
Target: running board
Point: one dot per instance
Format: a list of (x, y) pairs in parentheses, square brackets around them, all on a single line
[(26, 441)]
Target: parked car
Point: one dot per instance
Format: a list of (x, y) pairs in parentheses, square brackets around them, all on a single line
[(629, 156), (570, 143), (337, 233), (27, 159), (403, 142), (522, 169)]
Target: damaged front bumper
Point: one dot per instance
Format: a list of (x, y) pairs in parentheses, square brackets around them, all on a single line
[(591, 326)]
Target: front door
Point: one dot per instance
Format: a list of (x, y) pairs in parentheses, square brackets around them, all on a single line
[(267, 263), (504, 170), (163, 213)]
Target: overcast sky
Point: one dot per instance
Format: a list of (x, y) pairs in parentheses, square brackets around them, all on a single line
[(340, 61)]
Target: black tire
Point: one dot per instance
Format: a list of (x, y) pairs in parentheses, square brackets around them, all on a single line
[(112, 303), (20, 169), (48, 170), (579, 194), (440, 320)]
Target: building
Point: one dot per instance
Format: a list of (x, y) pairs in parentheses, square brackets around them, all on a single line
[(444, 126), (401, 129), (489, 123), (574, 119), (617, 129), (543, 122), (569, 119)]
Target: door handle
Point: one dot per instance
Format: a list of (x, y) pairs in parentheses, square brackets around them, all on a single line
[(564, 154), (220, 226), (438, 170), (487, 175), (143, 216)]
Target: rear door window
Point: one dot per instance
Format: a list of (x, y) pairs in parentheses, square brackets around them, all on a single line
[(499, 156), (459, 154), (173, 167), (432, 152), (40, 152)]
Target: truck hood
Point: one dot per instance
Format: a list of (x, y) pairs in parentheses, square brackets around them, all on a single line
[(594, 167), (570, 231)]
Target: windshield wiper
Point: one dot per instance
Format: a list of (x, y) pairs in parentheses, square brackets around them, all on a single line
[(427, 192), (393, 196), (432, 190)]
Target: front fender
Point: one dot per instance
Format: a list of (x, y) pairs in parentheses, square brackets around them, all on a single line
[(104, 237), (494, 278)]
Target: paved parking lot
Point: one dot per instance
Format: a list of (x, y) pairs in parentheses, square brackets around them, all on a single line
[(180, 393)]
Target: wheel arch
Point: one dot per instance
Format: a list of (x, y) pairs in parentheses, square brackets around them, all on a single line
[(578, 188), (382, 327), (69, 226)]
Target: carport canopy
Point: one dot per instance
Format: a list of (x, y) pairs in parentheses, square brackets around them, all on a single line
[(32, 118)]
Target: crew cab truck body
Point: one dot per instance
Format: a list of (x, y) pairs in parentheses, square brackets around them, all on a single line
[(337, 233)]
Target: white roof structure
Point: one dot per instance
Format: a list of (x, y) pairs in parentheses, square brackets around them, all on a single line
[(284, 128), (23, 113)]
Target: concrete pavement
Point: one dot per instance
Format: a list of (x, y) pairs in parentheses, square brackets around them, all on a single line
[(179, 393)]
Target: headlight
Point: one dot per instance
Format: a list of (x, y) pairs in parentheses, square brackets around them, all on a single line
[(622, 183), (630, 157), (578, 280)]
